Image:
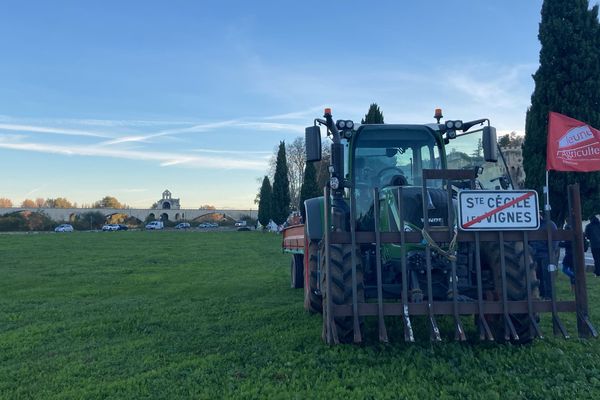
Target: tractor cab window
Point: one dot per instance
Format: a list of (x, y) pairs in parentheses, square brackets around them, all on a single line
[(391, 157), (466, 152)]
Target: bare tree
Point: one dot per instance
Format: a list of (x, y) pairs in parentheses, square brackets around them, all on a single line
[(28, 203), (39, 202), (296, 161), (108, 202), (5, 203), (59, 202), (322, 166)]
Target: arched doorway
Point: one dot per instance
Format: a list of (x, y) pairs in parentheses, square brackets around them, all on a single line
[(166, 205), (151, 217), (164, 217), (177, 217)]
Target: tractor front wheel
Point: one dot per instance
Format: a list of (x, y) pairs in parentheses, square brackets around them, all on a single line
[(341, 288), (313, 302), (516, 285)]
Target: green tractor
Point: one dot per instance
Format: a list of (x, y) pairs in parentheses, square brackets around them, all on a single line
[(383, 240)]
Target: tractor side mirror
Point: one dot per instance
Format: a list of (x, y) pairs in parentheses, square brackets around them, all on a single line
[(312, 140), (489, 143)]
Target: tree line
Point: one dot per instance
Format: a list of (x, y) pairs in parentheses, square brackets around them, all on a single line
[(61, 202)]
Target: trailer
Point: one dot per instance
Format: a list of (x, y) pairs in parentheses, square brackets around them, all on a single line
[(293, 243)]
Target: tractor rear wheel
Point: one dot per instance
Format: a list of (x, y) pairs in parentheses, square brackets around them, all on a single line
[(341, 288), (297, 271), (516, 285), (313, 302)]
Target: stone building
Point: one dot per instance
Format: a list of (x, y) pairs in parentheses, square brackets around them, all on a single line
[(168, 202), (514, 161)]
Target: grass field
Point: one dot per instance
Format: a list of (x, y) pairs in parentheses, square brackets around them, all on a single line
[(210, 315)]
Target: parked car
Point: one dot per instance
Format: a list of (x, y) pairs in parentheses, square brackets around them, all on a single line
[(114, 227), (155, 225), (241, 223), (204, 225), (64, 228), (183, 225)]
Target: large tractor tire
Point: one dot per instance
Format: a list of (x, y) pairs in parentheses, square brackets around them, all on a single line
[(313, 302), (516, 286), (341, 288), (297, 272)]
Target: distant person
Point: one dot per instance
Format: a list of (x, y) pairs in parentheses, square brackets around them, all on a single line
[(568, 267), (542, 258), (592, 233)]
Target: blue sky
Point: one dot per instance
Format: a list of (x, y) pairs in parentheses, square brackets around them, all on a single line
[(128, 98)]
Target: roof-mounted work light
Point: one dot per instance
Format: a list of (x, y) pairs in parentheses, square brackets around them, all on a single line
[(342, 125), (454, 125)]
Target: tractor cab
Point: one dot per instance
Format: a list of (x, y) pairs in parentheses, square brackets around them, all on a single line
[(388, 156)]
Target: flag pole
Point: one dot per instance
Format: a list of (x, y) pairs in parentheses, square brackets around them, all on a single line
[(547, 190), (550, 269)]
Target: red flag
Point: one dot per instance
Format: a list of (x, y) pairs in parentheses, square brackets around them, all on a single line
[(572, 145)]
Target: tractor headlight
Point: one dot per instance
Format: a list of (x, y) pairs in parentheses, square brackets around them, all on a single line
[(340, 124), (458, 125), (349, 124), (449, 125)]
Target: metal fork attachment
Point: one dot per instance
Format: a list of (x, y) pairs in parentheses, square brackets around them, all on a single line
[(436, 255)]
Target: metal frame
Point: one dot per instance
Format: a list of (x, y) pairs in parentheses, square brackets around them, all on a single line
[(480, 307)]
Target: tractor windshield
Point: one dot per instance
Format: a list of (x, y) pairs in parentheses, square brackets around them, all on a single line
[(391, 156), (466, 152)]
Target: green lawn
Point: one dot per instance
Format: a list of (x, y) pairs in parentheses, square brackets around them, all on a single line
[(210, 315)]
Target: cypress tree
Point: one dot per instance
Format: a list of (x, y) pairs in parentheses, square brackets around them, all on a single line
[(265, 203), (310, 188), (281, 188), (567, 81), (373, 116)]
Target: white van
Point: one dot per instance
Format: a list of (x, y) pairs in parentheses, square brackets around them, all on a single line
[(155, 225)]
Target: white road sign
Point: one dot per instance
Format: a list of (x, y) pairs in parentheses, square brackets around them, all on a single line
[(480, 210)]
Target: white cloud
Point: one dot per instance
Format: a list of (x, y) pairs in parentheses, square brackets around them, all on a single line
[(301, 115), (131, 190), (232, 151), (272, 126), (34, 190), (164, 158), (52, 130), (125, 139), (501, 88)]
